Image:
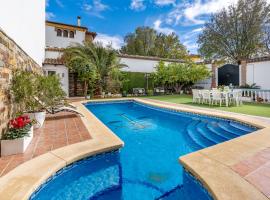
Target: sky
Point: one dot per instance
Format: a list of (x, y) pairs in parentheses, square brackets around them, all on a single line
[(113, 19)]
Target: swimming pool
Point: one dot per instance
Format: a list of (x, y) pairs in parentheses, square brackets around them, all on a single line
[(147, 166)]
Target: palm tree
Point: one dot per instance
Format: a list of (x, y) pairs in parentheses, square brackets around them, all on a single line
[(93, 63), (77, 58), (106, 62)]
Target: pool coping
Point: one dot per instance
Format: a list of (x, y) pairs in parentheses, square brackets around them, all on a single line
[(22, 181), (210, 165)]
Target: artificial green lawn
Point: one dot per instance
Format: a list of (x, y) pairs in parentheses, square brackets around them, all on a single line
[(247, 108)]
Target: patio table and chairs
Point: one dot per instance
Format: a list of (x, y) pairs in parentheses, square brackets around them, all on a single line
[(216, 96)]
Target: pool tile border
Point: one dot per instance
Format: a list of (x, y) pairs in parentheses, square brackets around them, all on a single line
[(21, 182), (211, 166)]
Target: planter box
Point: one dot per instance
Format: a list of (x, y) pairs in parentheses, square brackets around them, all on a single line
[(9, 147), (39, 117)]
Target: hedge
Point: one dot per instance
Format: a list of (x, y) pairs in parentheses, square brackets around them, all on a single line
[(136, 80)]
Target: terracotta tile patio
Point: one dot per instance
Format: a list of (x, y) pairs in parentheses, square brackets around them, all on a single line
[(59, 130), (256, 170)]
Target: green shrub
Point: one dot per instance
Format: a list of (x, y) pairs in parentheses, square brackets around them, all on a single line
[(136, 80), (33, 92), (23, 89), (50, 92), (150, 92)]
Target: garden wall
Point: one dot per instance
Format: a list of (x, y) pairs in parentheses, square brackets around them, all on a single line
[(258, 72), (12, 57)]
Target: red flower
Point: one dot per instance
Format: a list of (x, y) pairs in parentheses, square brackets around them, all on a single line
[(20, 122)]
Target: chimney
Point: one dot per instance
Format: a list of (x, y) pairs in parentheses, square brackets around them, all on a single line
[(79, 21)]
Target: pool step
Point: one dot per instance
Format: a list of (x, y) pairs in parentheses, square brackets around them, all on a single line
[(191, 142), (197, 136), (242, 127), (228, 128), (210, 135), (213, 126)]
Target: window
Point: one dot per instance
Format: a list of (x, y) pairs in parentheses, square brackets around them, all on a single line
[(59, 32), (71, 34), (50, 73), (65, 33)]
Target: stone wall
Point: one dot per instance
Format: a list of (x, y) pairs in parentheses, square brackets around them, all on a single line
[(11, 57)]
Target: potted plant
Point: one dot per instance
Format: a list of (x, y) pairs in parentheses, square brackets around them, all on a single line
[(51, 94), (18, 136), (25, 91)]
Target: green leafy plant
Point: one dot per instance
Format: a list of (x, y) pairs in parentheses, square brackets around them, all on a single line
[(24, 89), (177, 75), (18, 128), (150, 92), (97, 66), (252, 86), (50, 91)]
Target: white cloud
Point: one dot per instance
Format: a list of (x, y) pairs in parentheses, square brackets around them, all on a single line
[(115, 41), (191, 13), (60, 3), (191, 46), (95, 8), (157, 27), (196, 30), (87, 7), (100, 6), (164, 2), (137, 5), (192, 34), (49, 15)]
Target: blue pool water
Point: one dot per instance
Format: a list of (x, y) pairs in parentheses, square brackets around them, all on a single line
[(147, 167)]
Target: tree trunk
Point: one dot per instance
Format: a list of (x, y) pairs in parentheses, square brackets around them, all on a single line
[(85, 89), (178, 87)]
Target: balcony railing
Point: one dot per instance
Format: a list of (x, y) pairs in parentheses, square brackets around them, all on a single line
[(255, 95)]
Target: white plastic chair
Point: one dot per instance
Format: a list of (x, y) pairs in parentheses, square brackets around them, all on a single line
[(206, 96), (216, 97), (236, 97), (196, 96)]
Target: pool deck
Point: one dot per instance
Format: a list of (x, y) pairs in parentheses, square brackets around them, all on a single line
[(236, 169)]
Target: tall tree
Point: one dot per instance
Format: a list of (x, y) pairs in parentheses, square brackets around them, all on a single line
[(235, 32), (177, 75), (169, 46), (267, 37), (96, 65), (78, 59), (141, 42), (146, 41), (106, 63)]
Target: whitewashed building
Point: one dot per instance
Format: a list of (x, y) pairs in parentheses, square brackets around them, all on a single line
[(23, 21), (58, 37)]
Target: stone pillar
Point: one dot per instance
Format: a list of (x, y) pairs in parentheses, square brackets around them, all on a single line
[(214, 76), (243, 70)]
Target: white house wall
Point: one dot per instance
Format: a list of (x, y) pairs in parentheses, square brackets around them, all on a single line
[(24, 22), (139, 65), (259, 73), (62, 72), (52, 40), (53, 54)]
